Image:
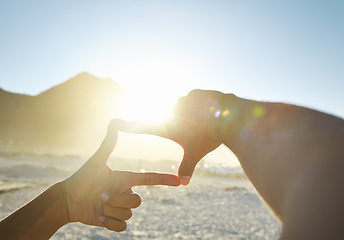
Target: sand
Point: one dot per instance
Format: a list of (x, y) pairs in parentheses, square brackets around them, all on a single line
[(209, 208)]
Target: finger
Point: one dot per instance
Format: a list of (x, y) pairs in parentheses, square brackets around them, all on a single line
[(137, 179), (186, 168), (124, 200), (205, 93), (107, 146), (117, 212), (140, 127), (114, 224)]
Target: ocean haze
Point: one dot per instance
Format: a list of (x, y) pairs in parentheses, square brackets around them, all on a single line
[(71, 119)]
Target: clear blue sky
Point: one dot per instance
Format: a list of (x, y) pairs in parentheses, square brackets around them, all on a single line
[(289, 51)]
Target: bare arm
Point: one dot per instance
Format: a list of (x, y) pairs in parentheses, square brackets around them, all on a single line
[(44, 215), (276, 143), (293, 155)]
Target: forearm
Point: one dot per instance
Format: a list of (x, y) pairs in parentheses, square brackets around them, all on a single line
[(276, 142), (40, 218)]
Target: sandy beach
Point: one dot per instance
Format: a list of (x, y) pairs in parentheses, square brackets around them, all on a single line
[(211, 207)]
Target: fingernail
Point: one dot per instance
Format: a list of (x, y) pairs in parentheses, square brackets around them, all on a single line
[(185, 180), (105, 196), (101, 218)]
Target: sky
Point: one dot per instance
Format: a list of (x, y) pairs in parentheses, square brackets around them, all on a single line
[(289, 51)]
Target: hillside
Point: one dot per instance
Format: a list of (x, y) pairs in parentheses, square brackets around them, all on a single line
[(70, 118)]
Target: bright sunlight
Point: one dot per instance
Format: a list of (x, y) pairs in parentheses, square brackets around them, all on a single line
[(146, 106), (153, 84)]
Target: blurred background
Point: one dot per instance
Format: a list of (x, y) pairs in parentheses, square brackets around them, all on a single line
[(68, 67), (154, 52)]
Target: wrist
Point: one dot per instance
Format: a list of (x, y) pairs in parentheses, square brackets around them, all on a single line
[(225, 115), (61, 187), (72, 205), (234, 117)]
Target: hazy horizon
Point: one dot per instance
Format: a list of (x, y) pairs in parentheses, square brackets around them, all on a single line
[(279, 51), (71, 119), (159, 51)]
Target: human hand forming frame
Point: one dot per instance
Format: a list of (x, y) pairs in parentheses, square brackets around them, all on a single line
[(293, 155), (107, 200), (94, 195), (192, 125)]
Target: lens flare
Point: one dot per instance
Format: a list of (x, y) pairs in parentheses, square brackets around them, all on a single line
[(217, 113), (226, 113), (258, 111), (212, 110)]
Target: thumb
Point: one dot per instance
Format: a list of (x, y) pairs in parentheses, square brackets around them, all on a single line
[(187, 167), (107, 146), (140, 127)]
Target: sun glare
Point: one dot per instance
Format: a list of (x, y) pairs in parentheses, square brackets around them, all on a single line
[(153, 85), (146, 107)]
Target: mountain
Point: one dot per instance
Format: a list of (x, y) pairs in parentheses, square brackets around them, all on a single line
[(70, 118)]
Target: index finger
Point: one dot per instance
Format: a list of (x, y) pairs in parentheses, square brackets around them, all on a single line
[(138, 179), (107, 146)]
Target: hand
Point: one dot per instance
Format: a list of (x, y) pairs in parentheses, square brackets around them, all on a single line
[(97, 195), (192, 125)]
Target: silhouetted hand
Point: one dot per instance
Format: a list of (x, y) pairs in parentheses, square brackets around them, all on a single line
[(192, 125), (97, 195)]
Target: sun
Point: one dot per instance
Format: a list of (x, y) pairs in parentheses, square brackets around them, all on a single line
[(147, 106), (153, 85)]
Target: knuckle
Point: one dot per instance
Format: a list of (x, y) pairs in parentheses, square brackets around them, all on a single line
[(195, 91), (122, 225), (181, 100), (113, 201), (113, 123), (118, 226), (127, 214), (106, 210), (136, 201)]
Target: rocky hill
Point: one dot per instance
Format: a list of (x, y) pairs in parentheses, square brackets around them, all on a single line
[(70, 118)]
